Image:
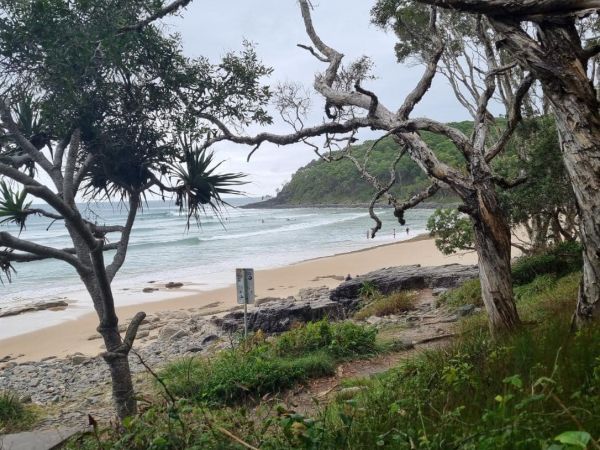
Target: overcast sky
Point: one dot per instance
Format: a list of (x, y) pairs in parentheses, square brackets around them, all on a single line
[(212, 28)]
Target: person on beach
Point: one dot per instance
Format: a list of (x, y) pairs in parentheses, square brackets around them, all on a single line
[(394, 233), (407, 230)]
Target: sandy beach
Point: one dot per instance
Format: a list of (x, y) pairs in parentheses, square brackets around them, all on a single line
[(72, 336)]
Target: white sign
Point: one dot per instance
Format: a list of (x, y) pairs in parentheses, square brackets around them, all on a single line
[(245, 285)]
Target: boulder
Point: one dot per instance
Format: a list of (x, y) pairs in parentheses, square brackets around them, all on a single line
[(173, 285), (400, 278), (278, 316), (55, 305)]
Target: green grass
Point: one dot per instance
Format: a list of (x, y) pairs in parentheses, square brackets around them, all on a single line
[(519, 393), (381, 305), (541, 270), (537, 389), (259, 366), (14, 415)]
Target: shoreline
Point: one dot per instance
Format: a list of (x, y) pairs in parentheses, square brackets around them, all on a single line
[(72, 336)]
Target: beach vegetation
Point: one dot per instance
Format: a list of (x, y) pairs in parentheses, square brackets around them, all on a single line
[(385, 305), (536, 388), (531, 273), (112, 111), (259, 366), (14, 414)]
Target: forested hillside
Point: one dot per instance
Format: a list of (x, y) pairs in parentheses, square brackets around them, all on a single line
[(338, 182)]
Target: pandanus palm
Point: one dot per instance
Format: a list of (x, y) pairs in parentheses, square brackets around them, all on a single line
[(198, 185)]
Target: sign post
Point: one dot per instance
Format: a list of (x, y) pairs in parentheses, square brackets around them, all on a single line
[(245, 292)]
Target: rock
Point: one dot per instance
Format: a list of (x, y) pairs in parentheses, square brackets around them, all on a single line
[(78, 359), (314, 294), (374, 320), (25, 398), (167, 331), (142, 334), (400, 345), (210, 338), (275, 317), (173, 285), (438, 291), (194, 349), (393, 279), (149, 290), (466, 310), (56, 305), (262, 301), (180, 334)]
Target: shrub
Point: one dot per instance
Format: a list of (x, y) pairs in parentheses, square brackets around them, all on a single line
[(258, 367), (561, 260), (341, 339), (469, 293), (535, 389), (390, 304), (13, 414)]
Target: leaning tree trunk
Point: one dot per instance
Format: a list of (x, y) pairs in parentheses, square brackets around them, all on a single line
[(492, 241), (560, 64), (576, 106)]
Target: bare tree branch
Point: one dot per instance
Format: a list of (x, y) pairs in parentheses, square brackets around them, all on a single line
[(169, 9), (7, 240)]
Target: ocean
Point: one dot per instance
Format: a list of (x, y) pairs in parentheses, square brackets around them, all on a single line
[(162, 249)]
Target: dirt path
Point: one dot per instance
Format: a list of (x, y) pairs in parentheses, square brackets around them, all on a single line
[(425, 327)]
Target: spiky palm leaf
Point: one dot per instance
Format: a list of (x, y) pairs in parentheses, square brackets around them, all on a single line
[(6, 266), (13, 206), (199, 186)]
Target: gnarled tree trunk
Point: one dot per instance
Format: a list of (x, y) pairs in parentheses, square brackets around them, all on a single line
[(577, 113), (492, 241)]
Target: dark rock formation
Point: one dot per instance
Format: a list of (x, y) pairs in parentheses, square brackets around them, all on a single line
[(275, 317), (55, 305), (393, 279)]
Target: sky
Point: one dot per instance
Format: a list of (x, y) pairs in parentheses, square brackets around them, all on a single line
[(212, 28)]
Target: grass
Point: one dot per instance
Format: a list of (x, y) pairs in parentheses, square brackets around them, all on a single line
[(259, 366), (14, 415), (524, 392), (536, 389), (529, 273), (394, 303)]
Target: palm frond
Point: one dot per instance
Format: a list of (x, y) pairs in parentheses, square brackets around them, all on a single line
[(6, 266), (13, 206), (199, 187)]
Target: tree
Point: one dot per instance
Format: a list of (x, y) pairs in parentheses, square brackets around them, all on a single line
[(110, 111), (555, 53), (350, 107)]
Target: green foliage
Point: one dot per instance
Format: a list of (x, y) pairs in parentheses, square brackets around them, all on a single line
[(560, 260), (258, 366), (199, 186), (384, 305), (13, 205), (469, 293), (368, 289), (452, 230), (531, 274), (531, 390), (341, 340), (14, 416), (537, 389)]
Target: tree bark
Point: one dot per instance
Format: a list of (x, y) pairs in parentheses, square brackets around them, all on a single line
[(116, 355), (492, 241), (562, 71)]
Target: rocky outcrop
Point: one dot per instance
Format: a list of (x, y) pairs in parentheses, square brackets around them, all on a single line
[(393, 279), (55, 305), (277, 316)]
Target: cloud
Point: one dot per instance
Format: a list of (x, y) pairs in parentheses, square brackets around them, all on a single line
[(213, 28)]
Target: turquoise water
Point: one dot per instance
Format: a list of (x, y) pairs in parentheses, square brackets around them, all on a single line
[(162, 249)]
